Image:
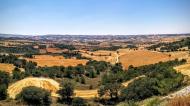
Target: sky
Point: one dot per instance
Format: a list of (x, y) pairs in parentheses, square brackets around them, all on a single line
[(94, 17)]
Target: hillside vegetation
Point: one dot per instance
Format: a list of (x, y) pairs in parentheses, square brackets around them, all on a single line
[(116, 84), (174, 46)]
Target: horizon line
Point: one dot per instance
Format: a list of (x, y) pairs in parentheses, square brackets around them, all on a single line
[(96, 34)]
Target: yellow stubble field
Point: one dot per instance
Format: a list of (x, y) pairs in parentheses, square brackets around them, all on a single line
[(49, 60), (6, 67)]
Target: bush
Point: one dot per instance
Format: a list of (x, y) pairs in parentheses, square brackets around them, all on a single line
[(3, 91), (66, 91), (83, 81), (4, 78), (139, 89), (79, 102), (28, 55), (35, 96), (17, 74), (160, 81), (129, 103)]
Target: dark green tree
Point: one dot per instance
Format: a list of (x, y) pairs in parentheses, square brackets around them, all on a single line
[(66, 91), (77, 101), (82, 80), (35, 96), (4, 78), (3, 92), (17, 74)]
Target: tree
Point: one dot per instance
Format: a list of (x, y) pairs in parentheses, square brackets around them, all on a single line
[(17, 74), (28, 55), (35, 96), (79, 102), (79, 69), (4, 82), (29, 67), (66, 91), (117, 67), (68, 72), (4, 78), (3, 91), (111, 89), (90, 71), (36, 73), (92, 74), (83, 81), (139, 89)]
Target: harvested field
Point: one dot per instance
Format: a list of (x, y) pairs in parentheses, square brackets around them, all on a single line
[(54, 50), (184, 69), (7, 67), (142, 57), (45, 83), (52, 86), (179, 55), (101, 55), (130, 57), (48, 60), (86, 93)]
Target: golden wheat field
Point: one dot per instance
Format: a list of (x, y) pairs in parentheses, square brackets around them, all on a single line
[(48, 60), (179, 54), (101, 55), (129, 57), (184, 69), (6, 67), (46, 83), (54, 50), (52, 86), (142, 57)]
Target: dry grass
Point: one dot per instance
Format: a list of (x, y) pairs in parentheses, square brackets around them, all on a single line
[(142, 57), (45, 83), (179, 54), (184, 69), (48, 60), (52, 86), (7, 67), (179, 101), (86, 93), (54, 50), (130, 57), (101, 55)]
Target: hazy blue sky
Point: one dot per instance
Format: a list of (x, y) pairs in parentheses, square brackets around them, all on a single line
[(94, 16)]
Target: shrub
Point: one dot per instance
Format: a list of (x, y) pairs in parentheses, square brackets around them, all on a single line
[(3, 91), (66, 91), (4, 78), (79, 102), (17, 74), (35, 96), (83, 81)]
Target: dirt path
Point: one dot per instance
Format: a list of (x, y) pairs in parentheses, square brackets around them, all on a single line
[(183, 92), (117, 58)]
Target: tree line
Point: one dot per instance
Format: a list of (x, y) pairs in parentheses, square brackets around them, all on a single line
[(19, 49), (174, 46), (159, 79)]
